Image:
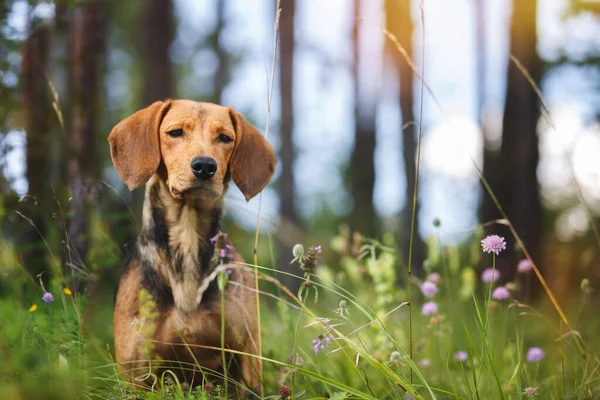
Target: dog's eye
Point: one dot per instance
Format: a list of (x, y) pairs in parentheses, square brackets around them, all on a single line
[(224, 138), (175, 133)]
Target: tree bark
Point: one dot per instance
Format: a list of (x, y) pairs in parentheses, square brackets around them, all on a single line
[(159, 32), (361, 171), (38, 113), (222, 73), (399, 23), (512, 173), (287, 152), (87, 51)]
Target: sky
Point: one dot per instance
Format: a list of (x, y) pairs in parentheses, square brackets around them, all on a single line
[(323, 135)]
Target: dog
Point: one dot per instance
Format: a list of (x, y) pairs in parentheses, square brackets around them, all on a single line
[(187, 152)]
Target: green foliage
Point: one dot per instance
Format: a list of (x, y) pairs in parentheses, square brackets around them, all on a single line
[(63, 349)]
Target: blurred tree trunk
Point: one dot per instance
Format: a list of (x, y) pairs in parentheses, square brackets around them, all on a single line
[(87, 50), (286, 152), (159, 32), (399, 23), (361, 171), (38, 114), (222, 73), (512, 173)]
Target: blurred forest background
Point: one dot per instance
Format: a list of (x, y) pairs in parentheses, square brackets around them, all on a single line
[(346, 113)]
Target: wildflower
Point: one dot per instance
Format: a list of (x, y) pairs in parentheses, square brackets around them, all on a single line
[(308, 260), (321, 343), (530, 391), (461, 356), (429, 308), (511, 286), (33, 308), (223, 250), (429, 289), (425, 363), (524, 266), (535, 354), (434, 277), (493, 244), (500, 293), (67, 291), (395, 357), (47, 297), (285, 391), (490, 275)]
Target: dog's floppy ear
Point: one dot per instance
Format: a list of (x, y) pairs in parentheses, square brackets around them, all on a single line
[(253, 160), (134, 144)]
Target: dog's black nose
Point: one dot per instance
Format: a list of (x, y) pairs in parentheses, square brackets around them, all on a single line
[(204, 167)]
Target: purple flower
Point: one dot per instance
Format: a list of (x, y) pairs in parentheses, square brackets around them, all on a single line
[(461, 356), (535, 354), (429, 289), (318, 249), (47, 297), (500, 293), (222, 253), (490, 275), (493, 244), (434, 277), (524, 266), (321, 343), (429, 308)]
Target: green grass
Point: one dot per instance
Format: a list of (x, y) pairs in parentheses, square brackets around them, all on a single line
[(64, 349)]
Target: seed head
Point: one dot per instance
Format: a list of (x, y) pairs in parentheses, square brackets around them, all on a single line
[(298, 251), (285, 391), (395, 357)]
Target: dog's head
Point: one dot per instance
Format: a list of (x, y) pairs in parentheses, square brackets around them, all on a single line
[(195, 147)]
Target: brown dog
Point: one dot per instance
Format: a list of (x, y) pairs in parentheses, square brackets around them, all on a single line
[(186, 152)]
